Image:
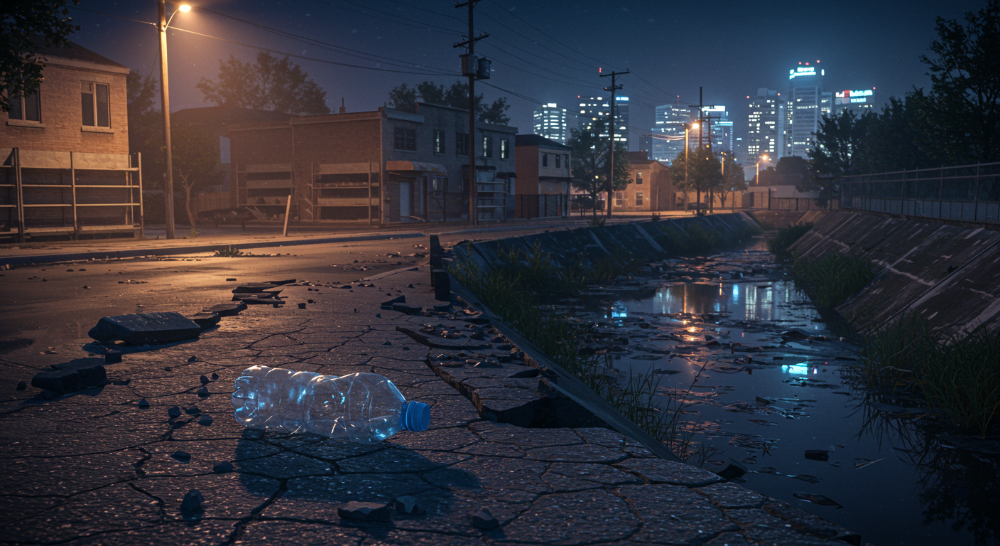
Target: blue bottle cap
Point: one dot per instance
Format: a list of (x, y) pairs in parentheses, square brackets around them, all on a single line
[(416, 416)]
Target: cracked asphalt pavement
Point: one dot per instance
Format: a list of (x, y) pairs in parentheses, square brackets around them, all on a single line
[(99, 467)]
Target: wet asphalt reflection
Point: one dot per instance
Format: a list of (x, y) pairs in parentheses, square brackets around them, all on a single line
[(734, 338)]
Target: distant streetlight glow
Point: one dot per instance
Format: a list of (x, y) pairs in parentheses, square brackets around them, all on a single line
[(185, 8)]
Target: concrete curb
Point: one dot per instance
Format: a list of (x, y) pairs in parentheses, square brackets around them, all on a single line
[(75, 256)]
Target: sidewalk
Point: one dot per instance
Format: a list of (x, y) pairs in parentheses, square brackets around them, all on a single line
[(98, 467), (212, 239)]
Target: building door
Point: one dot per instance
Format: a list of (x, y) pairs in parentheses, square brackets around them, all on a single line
[(404, 200)]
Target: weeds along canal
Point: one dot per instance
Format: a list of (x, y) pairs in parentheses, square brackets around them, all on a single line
[(760, 384)]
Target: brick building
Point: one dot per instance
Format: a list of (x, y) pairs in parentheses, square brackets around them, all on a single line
[(650, 190), (332, 166), (543, 177), (65, 158)]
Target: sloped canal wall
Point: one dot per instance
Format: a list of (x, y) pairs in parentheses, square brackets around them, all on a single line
[(947, 274), (643, 240)]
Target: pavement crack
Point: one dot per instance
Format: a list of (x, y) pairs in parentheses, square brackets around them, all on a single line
[(242, 524), (160, 505)]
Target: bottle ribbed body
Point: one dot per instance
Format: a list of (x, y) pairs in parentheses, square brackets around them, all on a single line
[(360, 407)]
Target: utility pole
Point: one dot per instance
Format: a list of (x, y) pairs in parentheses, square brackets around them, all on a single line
[(611, 134), (168, 200), (701, 130), (470, 67)]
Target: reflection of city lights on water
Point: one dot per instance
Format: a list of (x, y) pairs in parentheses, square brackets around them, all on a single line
[(736, 294), (797, 369), (618, 310)]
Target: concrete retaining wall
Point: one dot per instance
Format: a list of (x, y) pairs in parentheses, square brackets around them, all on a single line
[(644, 240), (948, 274)]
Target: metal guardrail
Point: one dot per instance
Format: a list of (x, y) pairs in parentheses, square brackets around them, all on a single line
[(969, 193)]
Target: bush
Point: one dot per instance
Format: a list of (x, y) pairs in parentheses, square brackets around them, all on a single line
[(833, 278), (958, 379), (780, 241)]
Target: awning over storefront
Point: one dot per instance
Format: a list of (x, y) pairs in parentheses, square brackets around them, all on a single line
[(415, 166)]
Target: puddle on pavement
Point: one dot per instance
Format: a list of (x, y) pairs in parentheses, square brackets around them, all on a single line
[(777, 405)]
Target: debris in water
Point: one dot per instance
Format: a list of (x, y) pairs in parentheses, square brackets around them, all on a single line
[(817, 499)]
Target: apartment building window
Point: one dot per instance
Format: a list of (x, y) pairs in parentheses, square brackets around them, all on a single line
[(438, 142), (461, 144), (405, 139), (25, 108), (638, 199), (487, 146), (619, 198), (96, 104), (504, 148), (638, 179), (558, 161), (545, 160)]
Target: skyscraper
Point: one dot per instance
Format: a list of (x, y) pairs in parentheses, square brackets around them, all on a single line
[(550, 122), (668, 135), (860, 101), (593, 108), (766, 124), (722, 128), (805, 104)]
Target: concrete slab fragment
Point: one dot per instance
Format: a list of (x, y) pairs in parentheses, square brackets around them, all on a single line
[(146, 328)]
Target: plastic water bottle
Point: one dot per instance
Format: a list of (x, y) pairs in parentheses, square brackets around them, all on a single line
[(360, 407)]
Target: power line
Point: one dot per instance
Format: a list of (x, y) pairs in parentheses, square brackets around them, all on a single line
[(326, 45), (304, 57)]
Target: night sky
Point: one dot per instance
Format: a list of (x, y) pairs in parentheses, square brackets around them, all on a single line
[(544, 51)]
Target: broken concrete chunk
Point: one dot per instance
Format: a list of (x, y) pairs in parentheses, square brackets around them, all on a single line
[(389, 304), (192, 501), (253, 287), (205, 320), (143, 404), (72, 376), (174, 411), (21, 385), (364, 511), (226, 309), (204, 380), (145, 328), (408, 504), (407, 309), (484, 520), (223, 467), (182, 456), (205, 420)]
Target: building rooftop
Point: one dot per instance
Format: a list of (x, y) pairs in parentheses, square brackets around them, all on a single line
[(74, 52), (536, 140)]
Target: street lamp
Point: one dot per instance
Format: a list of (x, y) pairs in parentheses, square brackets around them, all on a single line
[(757, 179), (762, 158), (164, 22)]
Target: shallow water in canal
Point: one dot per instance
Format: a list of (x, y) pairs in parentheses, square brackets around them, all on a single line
[(768, 395)]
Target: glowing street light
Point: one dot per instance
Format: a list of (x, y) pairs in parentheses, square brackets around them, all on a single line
[(762, 158), (168, 201)]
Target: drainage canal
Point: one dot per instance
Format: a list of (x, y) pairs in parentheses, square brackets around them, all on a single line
[(765, 387)]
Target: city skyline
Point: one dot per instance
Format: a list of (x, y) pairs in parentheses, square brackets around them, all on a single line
[(539, 55)]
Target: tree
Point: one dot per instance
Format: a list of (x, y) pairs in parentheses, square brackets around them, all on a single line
[(893, 138), (833, 152), (733, 178), (405, 98), (962, 110), (271, 84), (25, 26), (703, 173), (145, 126), (194, 161), (590, 162)]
